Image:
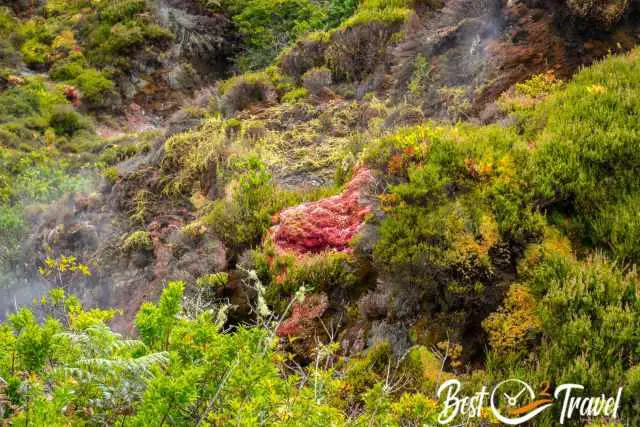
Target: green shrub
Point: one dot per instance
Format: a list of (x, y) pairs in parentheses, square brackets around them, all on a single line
[(138, 240), (8, 22), (94, 86), (617, 227), (241, 219), (295, 95), (8, 139), (68, 68), (111, 174), (121, 10), (35, 53), (381, 11), (586, 162), (285, 274), (15, 104), (340, 10), (66, 121), (592, 299), (110, 44)]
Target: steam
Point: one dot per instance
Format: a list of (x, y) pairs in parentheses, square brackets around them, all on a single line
[(20, 282)]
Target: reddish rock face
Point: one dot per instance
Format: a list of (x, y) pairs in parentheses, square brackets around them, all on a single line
[(328, 224)]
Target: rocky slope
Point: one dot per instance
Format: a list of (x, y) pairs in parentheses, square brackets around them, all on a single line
[(350, 201), (447, 61)]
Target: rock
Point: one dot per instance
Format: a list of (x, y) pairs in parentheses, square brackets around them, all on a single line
[(328, 224)]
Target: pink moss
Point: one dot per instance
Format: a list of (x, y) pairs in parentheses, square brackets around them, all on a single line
[(328, 224), (303, 316)]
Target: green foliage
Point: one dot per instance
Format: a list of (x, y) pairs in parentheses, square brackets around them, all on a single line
[(295, 95), (8, 23), (359, 44), (66, 121), (242, 218), (155, 323), (585, 161), (138, 240), (395, 11), (87, 43), (420, 77), (285, 275), (69, 68), (270, 25), (539, 85), (585, 314), (109, 44), (203, 374), (216, 280), (120, 150), (190, 155), (35, 53), (94, 86), (340, 10), (36, 123)]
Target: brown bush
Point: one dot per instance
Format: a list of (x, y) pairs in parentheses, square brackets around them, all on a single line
[(316, 79), (245, 90), (604, 12), (374, 305), (356, 51), (306, 54)]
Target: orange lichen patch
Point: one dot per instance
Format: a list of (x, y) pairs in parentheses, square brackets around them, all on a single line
[(328, 224)]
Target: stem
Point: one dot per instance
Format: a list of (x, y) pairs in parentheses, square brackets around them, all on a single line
[(215, 397), (164, 418)]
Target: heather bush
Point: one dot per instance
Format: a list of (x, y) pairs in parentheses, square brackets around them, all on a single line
[(585, 160), (605, 12), (241, 219), (240, 92), (316, 79), (307, 53), (360, 43)]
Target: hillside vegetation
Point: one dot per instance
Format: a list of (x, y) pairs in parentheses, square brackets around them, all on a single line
[(329, 234)]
